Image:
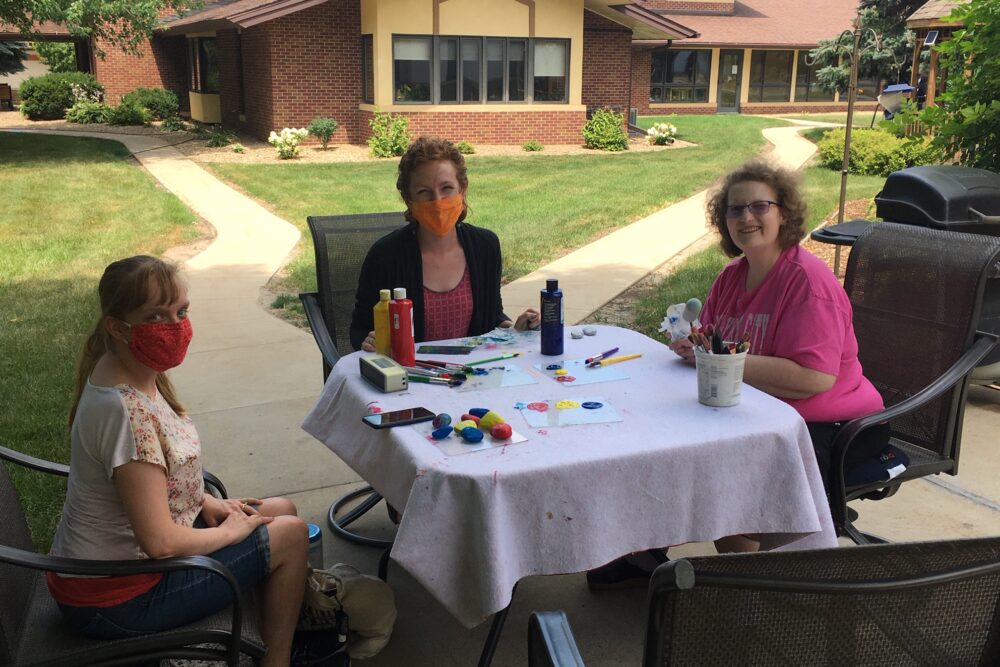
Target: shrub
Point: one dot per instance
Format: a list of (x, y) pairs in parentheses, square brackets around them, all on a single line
[(129, 113), (87, 113), (239, 148), (390, 134), (322, 129), (875, 152), (606, 131), (218, 138), (287, 141), (160, 102), (48, 97), (532, 146), (661, 134), (173, 124), (465, 148)]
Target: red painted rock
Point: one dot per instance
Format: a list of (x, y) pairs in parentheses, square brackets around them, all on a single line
[(470, 417), (501, 431)]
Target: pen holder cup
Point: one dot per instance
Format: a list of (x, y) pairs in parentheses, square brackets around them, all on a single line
[(720, 378)]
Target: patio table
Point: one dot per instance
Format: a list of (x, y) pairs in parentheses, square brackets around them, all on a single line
[(572, 498)]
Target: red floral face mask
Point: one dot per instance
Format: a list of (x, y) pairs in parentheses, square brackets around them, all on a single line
[(160, 345)]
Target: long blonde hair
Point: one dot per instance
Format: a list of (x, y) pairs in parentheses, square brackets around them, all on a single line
[(124, 287)]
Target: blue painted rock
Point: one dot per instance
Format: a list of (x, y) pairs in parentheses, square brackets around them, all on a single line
[(441, 433), (479, 412), (443, 419), (471, 434)]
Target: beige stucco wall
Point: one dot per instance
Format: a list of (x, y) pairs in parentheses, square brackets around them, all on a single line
[(493, 18)]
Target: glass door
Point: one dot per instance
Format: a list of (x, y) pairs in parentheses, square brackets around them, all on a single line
[(730, 76)]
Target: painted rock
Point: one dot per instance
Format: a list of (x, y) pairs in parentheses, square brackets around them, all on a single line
[(589, 331), (464, 424), (576, 333), (489, 420), (471, 434), (501, 431), (479, 412), (443, 419), (441, 433), (470, 418)]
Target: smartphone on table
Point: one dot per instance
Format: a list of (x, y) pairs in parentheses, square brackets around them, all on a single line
[(398, 417)]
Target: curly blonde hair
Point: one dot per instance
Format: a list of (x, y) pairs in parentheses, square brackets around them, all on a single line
[(786, 189)]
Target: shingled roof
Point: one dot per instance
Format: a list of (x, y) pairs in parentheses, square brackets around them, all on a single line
[(932, 14), (769, 23)]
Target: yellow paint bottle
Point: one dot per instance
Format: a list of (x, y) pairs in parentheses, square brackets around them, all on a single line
[(382, 335)]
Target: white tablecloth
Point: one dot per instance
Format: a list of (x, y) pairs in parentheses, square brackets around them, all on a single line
[(575, 497)]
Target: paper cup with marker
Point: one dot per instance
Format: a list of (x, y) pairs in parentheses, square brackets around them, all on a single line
[(720, 367)]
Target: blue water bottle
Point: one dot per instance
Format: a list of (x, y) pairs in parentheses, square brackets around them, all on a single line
[(552, 318)]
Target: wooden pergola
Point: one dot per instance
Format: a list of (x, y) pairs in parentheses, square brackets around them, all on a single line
[(931, 17)]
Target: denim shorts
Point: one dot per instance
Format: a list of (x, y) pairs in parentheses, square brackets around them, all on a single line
[(180, 597)]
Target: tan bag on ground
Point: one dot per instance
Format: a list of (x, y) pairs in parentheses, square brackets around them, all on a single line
[(368, 602)]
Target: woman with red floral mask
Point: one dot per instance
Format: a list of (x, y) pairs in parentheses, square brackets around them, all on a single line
[(450, 269), (135, 485)]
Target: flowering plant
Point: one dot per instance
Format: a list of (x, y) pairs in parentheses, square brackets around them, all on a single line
[(287, 141), (661, 134)]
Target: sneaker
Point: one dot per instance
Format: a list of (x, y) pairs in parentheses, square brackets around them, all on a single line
[(623, 573)]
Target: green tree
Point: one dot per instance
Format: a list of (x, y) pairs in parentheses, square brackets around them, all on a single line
[(967, 122), (59, 56), (11, 56), (887, 57), (124, 24)]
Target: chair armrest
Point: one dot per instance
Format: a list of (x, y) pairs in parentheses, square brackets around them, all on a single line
[(314, 315), (983, 345), (41, 465), (551, 642), (216, 483), (36, 561)]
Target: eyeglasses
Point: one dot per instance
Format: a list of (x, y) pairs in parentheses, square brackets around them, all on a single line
[(735, 212)]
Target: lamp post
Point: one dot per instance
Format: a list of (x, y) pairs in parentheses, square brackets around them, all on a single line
[(852, 94)]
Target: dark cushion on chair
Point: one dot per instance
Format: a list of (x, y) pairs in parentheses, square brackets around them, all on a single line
[(876, 468)]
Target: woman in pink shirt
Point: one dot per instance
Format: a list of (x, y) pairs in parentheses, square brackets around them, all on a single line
[(802, 344)]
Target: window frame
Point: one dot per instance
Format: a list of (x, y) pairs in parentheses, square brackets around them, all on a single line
[(482, 45), (665, 87), (760, 86), (811, 85), (198, 66)]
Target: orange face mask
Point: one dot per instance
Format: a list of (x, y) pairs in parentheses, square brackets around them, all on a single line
[(439, 216)]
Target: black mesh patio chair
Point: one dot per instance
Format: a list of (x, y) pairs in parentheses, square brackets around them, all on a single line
[(32, 631), (916, 294), (341, 243), (922, 603)]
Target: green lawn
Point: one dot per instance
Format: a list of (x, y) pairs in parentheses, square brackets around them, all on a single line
[(861, 118), (71, 206), (695, 275), (541, 206)]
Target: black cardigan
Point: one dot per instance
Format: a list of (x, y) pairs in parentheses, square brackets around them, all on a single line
[(394, 261)]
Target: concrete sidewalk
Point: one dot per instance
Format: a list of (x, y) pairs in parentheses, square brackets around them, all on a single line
[(250, 379)]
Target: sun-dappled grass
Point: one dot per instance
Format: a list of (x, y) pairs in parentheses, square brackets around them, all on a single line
[(70, 207), (541, 206)]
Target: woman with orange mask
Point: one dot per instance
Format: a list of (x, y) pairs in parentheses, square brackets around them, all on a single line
[(450, 269)]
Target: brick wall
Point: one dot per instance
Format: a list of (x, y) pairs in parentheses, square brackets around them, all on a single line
[(162, 64), (641, 64), (607, 55), (495, 127), (704, 6)]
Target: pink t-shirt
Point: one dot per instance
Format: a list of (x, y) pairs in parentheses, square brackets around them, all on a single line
[(800, 312)]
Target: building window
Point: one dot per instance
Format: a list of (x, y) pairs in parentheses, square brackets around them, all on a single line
[(680, 75), (770, 76), (475, 70), (367, 69), (411, 57), (807, 89), (204, 61)]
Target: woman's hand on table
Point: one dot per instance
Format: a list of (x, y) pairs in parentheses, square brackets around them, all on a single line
[(684, 349), (529, 319), (368, 344)]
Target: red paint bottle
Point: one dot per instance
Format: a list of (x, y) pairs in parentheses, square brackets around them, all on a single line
[(401, 325)]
